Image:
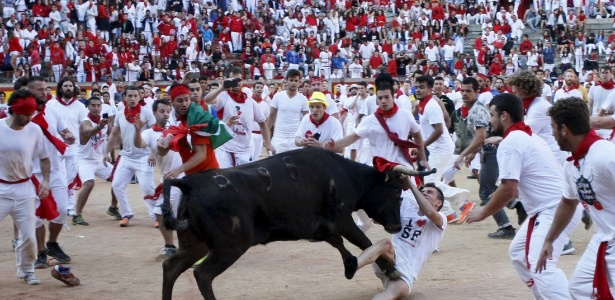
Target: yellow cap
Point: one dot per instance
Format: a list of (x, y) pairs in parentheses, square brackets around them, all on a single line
[(318, 97)]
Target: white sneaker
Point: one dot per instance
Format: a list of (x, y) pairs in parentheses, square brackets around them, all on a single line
[(71, 212), (31, 279)]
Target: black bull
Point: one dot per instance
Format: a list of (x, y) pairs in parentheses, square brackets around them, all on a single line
[(302, 194)]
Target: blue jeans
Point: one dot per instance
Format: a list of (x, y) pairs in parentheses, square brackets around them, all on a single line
[(489, 173)]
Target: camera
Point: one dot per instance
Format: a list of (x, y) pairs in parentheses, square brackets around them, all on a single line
[(316, 136), (105, 116)]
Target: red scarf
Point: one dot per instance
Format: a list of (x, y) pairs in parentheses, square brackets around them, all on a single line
[(606, 85), (485, 90), (574, 87), (590, 138), (131, 113), (39, 120), (518, 126), (142, 102), (157, 128), (526, 103), (257, 99), (94, 119), (464, 111), (324, 118), (238, 97), (601, 282), (67, 103), (388, 114), (423, 103)]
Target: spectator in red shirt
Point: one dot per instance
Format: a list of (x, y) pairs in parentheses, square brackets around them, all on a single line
[(496, 67), (236, 26), (526, 45)]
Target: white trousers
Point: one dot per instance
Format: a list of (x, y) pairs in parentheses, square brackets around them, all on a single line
[(71, 174), (256, 144), (550, 284), (176, 195), (283, 144), (59, 189), (23, 213), (581, 282), (126, 168), (236, 40), (232, 159), (440, 161), (57, 72)]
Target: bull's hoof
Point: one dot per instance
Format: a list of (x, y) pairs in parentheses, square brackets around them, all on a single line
[(393, 274), (350, 266)]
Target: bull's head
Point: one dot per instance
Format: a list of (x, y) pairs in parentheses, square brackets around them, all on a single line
[(385, 196)]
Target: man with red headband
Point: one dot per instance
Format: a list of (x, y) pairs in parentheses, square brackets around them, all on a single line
[(132, 160), (57, 138), (17, 191), (239, 111), (528, 167)]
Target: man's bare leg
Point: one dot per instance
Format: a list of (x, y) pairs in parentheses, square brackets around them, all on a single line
[(382, 248)]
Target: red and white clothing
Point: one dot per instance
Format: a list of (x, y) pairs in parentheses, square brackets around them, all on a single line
[(592, 182), (290, 111), (330, 129), (90, 155), (529, 160), (256, 142), (485, 97), (18, 199), (133, 161), (540, 122), (237, 151), (565, 93), (371, 105)]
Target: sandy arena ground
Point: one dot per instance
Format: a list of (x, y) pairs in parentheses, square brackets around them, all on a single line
[(120, 263)]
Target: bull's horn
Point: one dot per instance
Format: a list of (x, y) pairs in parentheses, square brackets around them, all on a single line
[(405, 170)]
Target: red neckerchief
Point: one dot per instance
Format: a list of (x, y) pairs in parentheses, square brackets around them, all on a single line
[(388, 114), (94, 119), (142, 102), (157, 128), (324, 118), (485, 90), (606, 85), (590, 138), (272, 94), (422, 103), (39, 120), (527, 102), (464, 111), (181, 118), (574, 87), (519, 126), (601, 289), (238, 97), (131, 113), (257, 99), (67, 103)]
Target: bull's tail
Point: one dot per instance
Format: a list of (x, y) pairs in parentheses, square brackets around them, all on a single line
[(169, 220)]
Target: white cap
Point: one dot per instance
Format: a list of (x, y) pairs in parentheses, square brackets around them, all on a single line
[(369, 86)]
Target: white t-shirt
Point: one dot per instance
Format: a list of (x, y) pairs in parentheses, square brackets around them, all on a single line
[(485, 98), (598, 94), (264, 108), (55, 124), (539, 120), (432, 115), (72, 116), (560, 94), (608, 104), (165, 163), (248, 113), (290, 112), (432, 53), (449, 52), (331, 129), (529, 157), (546, 91), (18, 153), (598, 177), (128, 131), (108, 109), (416, 241), (402, 123), (356, 70), (332, 108), (93, 149)]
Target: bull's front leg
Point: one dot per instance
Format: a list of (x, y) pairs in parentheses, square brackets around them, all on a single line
[(350, 261), (349, 230)]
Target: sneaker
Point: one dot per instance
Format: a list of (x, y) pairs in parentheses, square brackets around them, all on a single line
[(156, 225), (200, 261), (71, 212), (134, 180), (41, 260), (78, 220), (125, 221), (167, 252), (503, 234), (586, 219), (114, 212), (568, 249), (64, 274), (465, 209), (15, 243), (54, 250), (521, 213), (452, 218), (436, 250), (31, 279)]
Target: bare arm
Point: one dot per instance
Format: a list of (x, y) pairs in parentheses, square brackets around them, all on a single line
[(67, 136), (273, 113), (437, 132), (138, 139), (211, 96), (113, 138), (418, 139), (266, 136), (199, 154), (563, 215), (447, 118), (87, 131), (425, 207), (45, 170), (505, 192), (602, 122), (339, 145)]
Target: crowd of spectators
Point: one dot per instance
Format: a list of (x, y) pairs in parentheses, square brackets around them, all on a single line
[(166, 40)]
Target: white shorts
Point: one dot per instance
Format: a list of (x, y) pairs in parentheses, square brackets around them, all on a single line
[(283, 144), (14, 53), (400, 266), (90, 169), (229, 160), (176, 195)]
